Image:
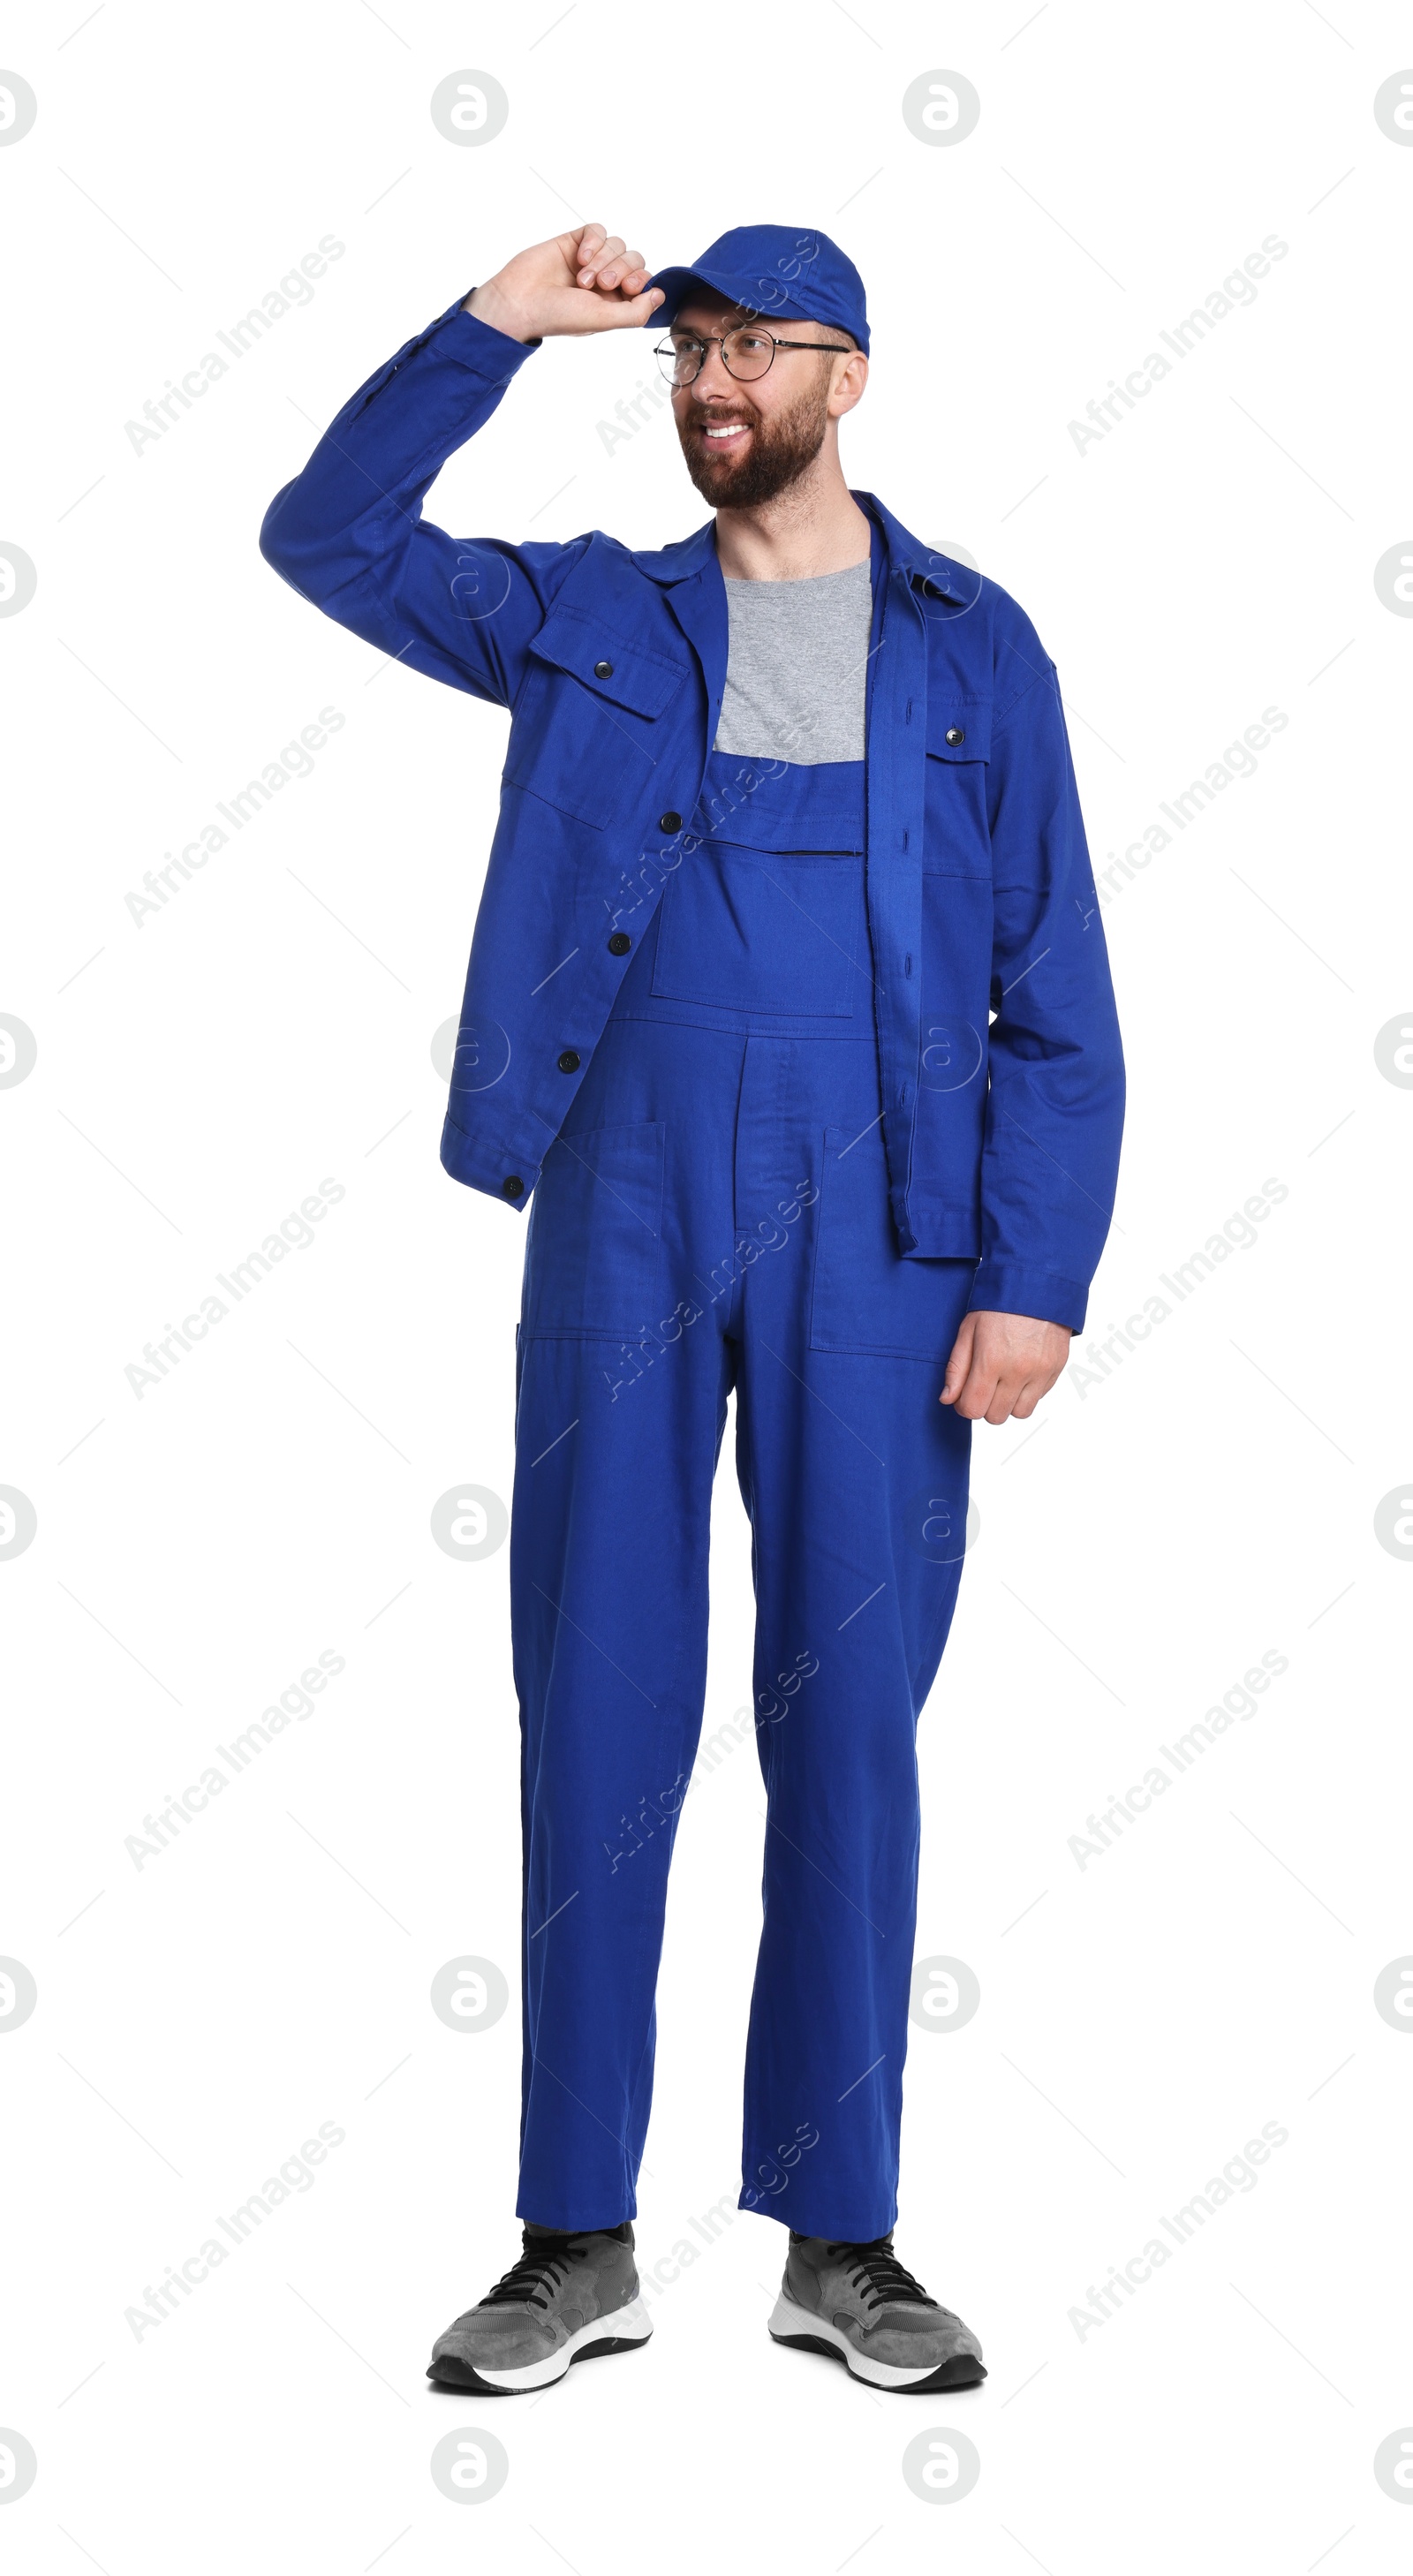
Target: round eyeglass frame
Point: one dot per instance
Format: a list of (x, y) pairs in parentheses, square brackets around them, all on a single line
[(669, 358)]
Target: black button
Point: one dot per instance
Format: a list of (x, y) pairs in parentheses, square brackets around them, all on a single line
[(954, 733), (512, 1187), (603, 670), (619, 944), (669, 822), (569, 1062)]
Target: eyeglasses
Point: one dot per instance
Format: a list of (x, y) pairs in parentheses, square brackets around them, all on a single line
[(746, 353)]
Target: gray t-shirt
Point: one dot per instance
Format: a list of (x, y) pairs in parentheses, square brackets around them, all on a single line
[(797, 667)]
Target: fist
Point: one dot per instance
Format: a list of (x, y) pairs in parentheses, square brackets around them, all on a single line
[(581, 281)]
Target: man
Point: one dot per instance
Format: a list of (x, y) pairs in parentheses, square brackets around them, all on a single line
[(788, 815)]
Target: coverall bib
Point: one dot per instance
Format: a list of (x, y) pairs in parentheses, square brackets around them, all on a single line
[(714, 1216)]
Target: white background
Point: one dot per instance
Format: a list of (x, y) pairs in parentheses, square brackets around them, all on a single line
[(1142, 1544)]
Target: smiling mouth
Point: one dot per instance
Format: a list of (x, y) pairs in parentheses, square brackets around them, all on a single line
[(724, 434)]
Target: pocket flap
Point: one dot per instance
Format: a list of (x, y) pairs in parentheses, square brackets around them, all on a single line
[(958, 728), (644, 682)]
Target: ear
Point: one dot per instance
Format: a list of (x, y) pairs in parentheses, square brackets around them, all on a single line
[(849, 384)]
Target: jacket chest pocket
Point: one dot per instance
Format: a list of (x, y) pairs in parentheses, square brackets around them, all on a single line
[(587, 732), (956, 823)]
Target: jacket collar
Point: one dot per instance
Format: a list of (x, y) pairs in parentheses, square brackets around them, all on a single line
[(905, 553)]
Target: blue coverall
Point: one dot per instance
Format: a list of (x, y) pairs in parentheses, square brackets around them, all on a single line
[(794, 1147)]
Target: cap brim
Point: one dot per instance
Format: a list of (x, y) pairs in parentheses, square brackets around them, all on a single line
[(678, 284)]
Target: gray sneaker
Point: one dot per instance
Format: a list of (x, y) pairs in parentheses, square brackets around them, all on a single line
[(858, 2305), (569, 2297)]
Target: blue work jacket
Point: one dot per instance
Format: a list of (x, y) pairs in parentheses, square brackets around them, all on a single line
[(1001, 1074)]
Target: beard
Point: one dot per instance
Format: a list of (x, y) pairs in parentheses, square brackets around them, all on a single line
[(783, 445)]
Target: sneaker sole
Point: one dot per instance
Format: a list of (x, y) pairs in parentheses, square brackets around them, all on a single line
[(633, 2331), (807, 2333)]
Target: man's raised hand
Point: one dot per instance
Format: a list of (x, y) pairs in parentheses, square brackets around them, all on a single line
[(587, 280)]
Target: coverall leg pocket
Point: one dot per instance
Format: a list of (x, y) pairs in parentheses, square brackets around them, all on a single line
[(866, 1297), (593, 1260)]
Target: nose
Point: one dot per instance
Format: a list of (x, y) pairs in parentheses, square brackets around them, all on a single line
[(715, 379)]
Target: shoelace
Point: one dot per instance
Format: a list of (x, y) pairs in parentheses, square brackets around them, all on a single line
[(541, 2268), (876, 2270)]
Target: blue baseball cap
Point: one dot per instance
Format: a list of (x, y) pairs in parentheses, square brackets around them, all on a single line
[(780, 271)]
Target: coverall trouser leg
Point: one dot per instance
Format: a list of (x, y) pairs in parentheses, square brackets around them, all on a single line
[(714, 1215)]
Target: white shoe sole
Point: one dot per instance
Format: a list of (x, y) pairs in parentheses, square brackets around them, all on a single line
[(622, 2326), (790, 2324)]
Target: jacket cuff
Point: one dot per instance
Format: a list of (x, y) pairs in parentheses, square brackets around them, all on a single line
[(491, 356), (1017, 1288), (478, 344), (489, 1160)]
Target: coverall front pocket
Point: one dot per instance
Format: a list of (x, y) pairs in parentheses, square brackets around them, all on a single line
[(866, 1297), (593, 1258), (765, 931)]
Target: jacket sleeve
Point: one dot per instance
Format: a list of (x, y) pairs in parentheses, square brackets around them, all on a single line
[(349, 535), (1054, 1113)]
